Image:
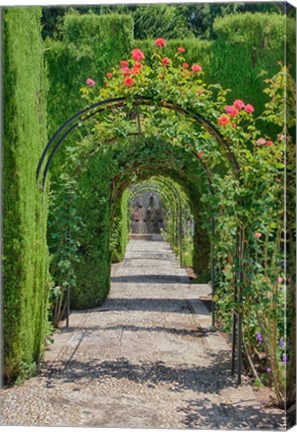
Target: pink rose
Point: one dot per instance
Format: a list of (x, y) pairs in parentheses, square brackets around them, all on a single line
[(196, 68), (90, 82), (280, 280), (137, 55), (238, 104), (249, 109), (223, 120), (165, 61), (128, 81), (124, 63), (257, 235), (160, 42), (261, 141), (181, 50), (228, 109)]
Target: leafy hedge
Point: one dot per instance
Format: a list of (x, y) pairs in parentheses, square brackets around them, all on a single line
[(244, 53), (91, 45), (25, 264)]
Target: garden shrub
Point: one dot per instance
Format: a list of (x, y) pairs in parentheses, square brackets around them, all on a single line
[(25, 262)]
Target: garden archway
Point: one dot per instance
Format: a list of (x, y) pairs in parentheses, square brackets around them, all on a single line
[(159, 92)]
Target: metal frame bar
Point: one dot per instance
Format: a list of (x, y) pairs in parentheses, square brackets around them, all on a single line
[(120, 103)]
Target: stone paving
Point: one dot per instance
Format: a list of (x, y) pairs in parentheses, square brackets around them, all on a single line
[(146, 358)]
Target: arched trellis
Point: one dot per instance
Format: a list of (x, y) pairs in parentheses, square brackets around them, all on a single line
[(109, 104), (178, 210)]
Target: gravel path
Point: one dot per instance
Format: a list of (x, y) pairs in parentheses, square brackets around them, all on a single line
[(146, 359)]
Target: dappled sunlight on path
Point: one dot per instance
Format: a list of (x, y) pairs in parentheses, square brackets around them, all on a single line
[(146, 358)]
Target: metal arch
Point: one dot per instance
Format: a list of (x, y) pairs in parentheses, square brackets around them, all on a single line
[(170, 185), (121, 102), (146, 188)]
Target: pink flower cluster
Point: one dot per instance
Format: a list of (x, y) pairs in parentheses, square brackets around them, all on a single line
[(233, 111), (263, 141)]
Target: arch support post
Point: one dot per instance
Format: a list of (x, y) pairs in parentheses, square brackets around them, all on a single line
[(237, 333), (213, 275)]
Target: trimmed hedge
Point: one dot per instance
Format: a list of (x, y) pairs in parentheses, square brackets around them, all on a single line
[(91, 45), (244, 53), (25, 263)]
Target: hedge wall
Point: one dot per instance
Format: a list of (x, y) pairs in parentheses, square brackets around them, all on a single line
[(91, 45), (244, 53), (25, 263)]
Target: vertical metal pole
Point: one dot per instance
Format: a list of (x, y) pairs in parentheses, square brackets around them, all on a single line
[(233, 343), (234, 324), (239, 343), (180, 236), (213, 272), (68, 306), (176, 224)]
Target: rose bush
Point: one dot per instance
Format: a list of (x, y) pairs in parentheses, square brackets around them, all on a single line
[(170, 101)]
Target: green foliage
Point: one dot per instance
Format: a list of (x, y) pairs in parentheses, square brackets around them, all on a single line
[(156, 20), (91, 43), (244, 53), (25, 262), (120, 229)]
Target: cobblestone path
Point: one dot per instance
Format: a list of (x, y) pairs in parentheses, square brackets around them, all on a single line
[(146, 358)]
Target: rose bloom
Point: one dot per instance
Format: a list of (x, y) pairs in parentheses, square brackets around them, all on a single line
[(160, 42), (238, 104), (249, 109), (165, 61), (90, 82), (125, 70), (128, 81), (232, 111), (181, 49), (135, 70), (124, 63), (261, 141), (228, 109), (234, 125), (109, 75), (223, 120), (200, 155), (137, 55), (185, 65), (257, 235), (280, 280), (269, 143), (196, 68)]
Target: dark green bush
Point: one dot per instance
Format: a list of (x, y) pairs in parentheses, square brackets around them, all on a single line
[(25, 263)]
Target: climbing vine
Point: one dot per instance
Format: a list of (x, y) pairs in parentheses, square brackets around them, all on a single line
[(169, 100)]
